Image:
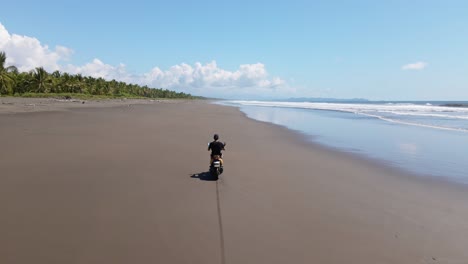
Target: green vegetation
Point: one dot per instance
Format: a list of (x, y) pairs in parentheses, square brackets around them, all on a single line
[(40, 83)]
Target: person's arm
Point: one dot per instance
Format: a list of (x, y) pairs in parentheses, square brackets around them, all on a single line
[(209, 146), (224, 145)]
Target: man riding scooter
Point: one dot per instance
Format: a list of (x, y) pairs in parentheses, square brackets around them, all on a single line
[(216, 148)]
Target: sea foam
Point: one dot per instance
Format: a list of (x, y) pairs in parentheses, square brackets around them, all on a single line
[(423, 115)]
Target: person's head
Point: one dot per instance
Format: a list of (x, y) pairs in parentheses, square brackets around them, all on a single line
[(215, 136)]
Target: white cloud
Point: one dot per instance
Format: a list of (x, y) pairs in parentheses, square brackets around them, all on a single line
[(207, 79), (211, 76), (415, 66), (97, 69), (28, 53)]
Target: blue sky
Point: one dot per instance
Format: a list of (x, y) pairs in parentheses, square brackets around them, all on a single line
[(252, 49)]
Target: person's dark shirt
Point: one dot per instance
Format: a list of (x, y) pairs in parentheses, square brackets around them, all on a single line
[(216, 147)]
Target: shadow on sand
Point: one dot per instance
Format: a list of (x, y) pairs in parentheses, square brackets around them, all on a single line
[(204, 176)]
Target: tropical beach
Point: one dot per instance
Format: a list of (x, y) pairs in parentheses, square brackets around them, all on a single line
[(126, 184), (234, 132)]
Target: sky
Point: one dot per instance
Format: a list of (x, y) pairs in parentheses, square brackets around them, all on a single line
[(379, 50)]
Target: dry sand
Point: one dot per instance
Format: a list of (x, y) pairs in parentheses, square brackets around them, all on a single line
[(119, 185)]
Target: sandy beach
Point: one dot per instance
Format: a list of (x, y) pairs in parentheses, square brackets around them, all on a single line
[(122, 182)]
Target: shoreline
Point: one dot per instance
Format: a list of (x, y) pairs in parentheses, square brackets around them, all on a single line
[(361, 158), (102, 185), (410, 149)]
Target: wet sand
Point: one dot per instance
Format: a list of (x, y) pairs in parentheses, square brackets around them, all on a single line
[(125, 184)]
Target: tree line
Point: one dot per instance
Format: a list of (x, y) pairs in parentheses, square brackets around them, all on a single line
[(39, 81)]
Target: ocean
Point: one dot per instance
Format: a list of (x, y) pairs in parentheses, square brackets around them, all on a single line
[(427, 138)]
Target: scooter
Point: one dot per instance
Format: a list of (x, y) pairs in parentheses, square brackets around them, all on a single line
[(216, 167)]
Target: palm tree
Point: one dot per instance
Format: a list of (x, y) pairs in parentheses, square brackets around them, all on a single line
[(78, 83), (55, 80), (7, 81), (22, 82), (66, 83), (41, 81)]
